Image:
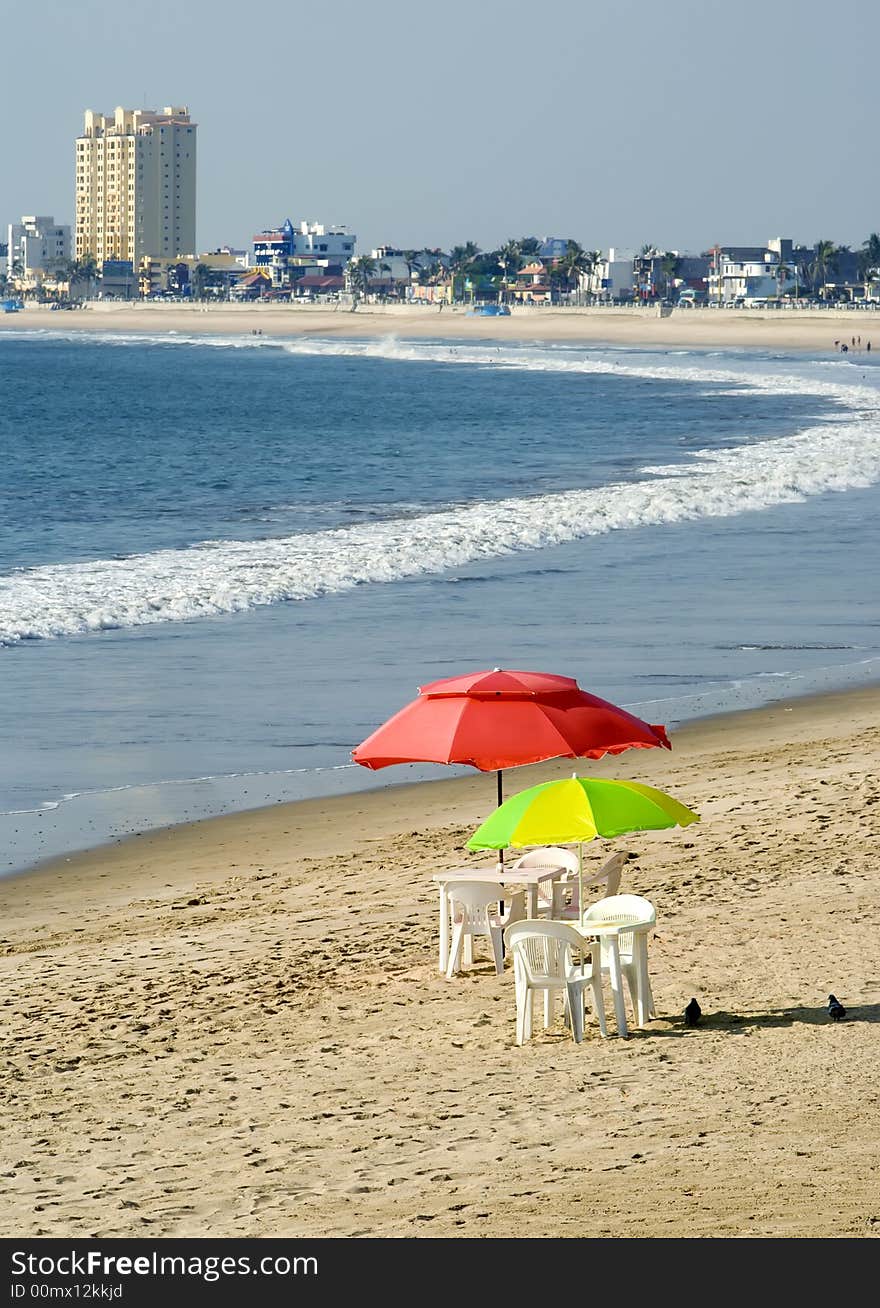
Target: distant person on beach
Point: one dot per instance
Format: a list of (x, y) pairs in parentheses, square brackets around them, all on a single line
[(844, 347), (868, 347)]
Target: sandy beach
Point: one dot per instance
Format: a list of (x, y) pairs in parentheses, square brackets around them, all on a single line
[(813, 330), (236, 1028)]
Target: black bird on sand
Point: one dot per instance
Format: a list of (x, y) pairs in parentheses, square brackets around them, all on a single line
[(692, 1013), (836, 1010)]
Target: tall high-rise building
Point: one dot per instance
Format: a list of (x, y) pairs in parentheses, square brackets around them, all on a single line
[(136, 184)]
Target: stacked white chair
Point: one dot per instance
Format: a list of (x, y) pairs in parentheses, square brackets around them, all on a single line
[(550, 857), (560, 900), (543, 962), (470, 902), (627, 910), (566, 905)]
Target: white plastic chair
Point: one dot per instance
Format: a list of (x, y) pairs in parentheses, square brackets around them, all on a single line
[(542, 961), (548, 856), (469, 903), (628, 910), (565, 904)]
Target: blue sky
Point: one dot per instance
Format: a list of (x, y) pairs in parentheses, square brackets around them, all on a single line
[(681, 123)]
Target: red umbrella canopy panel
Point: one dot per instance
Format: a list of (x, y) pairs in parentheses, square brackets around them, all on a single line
[(503, 719)]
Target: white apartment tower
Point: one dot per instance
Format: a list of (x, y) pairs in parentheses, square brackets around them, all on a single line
[(37, 245), (136, 185)]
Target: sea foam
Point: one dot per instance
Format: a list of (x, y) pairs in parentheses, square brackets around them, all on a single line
[(228, 576)]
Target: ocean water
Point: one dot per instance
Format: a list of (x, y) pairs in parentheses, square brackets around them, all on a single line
[(224, 561)]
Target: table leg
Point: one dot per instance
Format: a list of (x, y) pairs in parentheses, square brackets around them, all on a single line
[(532, 901), (643, 979), (443, 960), (617, 986), (640, 958)]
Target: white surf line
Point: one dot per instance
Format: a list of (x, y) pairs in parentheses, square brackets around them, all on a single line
[(223, 577)]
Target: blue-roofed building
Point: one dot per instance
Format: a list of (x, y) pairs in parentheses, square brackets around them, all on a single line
[(553, 247), (286, 250), (273, 248)]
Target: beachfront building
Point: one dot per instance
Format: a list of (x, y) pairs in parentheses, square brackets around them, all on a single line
[(610, 278), (690, 278), (274, 249), (256, 284), (740, 274), (671, 275), (136, 184), (841, 277), (212, 275), (37, 248), (118, 280), (393, 272), (310, 249), (420, 276), (552, 248), (531, 284)]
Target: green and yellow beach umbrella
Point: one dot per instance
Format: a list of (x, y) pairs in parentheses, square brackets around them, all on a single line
[(577, 810)]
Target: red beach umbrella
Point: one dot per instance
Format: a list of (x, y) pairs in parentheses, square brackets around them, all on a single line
[(504, 719)]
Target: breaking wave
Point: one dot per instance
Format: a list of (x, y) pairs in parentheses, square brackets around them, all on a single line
[(228, 576)]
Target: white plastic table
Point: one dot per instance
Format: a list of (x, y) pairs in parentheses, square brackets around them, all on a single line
[(529, 877), (610, 933)]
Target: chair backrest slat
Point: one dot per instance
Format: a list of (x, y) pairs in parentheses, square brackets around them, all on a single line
[(549, 856), (471, 899), (542, 948), (622, 910)]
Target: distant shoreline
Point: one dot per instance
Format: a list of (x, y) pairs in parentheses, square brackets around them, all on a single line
[(814, 330)]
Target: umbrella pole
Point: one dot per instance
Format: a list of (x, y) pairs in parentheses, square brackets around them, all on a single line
[(500, 802), (580, 883), (501, 851)]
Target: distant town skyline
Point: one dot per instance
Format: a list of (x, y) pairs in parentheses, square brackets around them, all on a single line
[(419, 127)]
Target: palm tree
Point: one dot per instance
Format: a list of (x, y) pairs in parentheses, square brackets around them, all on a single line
[(802, 261), (198, 280), (411, 258), (509, 259), (383, 268), (643, 268), (528, 246), (575, 262), (510, 256), (670, 265), (783, 275), (824, 262), (869, 260), (871, 248), (360, 271), (85, 270), (460, 258), (557, 277)]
